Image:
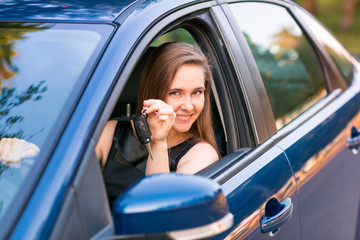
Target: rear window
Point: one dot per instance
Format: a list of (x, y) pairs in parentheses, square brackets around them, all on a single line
[(288, 65), (337, 52), (43, 68)]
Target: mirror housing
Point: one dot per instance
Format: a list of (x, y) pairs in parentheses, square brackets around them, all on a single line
[(178, 205)]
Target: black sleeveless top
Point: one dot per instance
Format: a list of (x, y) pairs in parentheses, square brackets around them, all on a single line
[(126, 162)]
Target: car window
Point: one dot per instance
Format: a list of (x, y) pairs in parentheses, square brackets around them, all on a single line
[(176, 35), (43, 67), (126, 105), (336, 51), (287, 63), (127, 102)]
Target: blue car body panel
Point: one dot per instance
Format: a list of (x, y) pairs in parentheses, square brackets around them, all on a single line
[(94, 11), (136, 216), (40, 214), (249, 190), (327, 173), (289, 168)]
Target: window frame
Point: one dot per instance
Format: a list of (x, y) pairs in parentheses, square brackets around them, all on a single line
[(201, 17), (248, 77), (321, 80), (328, 72), (332, 74), (264, 127)]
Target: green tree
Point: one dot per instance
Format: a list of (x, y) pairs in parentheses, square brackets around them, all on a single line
[(10, 34)]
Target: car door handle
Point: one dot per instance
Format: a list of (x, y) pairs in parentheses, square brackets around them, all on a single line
[(354, 140), (276, 214)]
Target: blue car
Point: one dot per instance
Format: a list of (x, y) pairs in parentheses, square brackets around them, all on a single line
[(286, 109)]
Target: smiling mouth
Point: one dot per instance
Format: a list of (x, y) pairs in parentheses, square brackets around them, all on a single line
[(183, 118)]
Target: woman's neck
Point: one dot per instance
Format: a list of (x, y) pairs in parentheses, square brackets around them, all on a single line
[(174, 138)]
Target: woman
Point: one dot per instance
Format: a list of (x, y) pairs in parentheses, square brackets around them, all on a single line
[(175, 91)]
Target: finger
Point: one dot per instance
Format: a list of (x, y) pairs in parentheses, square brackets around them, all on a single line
[(2, 160), (12, 149), (5, 148), (149, 102), (154, 108), (15, 156), (17, 147), (164, 117), (2, 143), (160, 108), (30, 150), (154, 103), (168, 110)]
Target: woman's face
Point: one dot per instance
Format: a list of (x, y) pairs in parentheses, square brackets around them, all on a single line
[(186, 96)]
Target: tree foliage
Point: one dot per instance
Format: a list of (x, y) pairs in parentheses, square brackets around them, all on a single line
[(10, 97)]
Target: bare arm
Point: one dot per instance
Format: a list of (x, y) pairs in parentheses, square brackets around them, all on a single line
[(198, 157), (104, 144), (160, 161), (160, 119)]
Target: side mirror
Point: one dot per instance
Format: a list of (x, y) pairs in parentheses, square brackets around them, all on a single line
[(175, 205)]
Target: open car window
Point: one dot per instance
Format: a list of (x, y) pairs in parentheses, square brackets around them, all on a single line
[(127, 102)]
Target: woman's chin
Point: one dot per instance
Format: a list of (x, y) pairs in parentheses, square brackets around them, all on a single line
[(182, 128)]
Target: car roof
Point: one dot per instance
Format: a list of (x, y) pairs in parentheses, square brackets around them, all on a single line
[(68, 10)]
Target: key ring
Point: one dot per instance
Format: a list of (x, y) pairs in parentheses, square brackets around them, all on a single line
[(143, 110)]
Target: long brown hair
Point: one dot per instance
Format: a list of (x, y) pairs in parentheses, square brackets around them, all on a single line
[(159, 72)]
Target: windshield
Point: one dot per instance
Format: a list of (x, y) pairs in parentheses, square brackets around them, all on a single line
[(43, 68)]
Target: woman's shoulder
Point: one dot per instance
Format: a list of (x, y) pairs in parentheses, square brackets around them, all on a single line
[(204, 147), (198, 157)]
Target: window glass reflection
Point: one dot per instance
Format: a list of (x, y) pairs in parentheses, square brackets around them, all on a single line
[(288, 65), (177, 35), (336, 51), (42, 67)]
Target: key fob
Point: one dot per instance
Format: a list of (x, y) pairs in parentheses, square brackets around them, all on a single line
[(142, 129)]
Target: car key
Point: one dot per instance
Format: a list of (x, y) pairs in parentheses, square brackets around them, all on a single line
[(142, 131)]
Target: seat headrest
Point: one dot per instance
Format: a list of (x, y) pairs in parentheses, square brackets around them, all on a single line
[(129, 94)]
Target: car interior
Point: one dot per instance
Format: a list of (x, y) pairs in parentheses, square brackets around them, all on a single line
[(78, 210), (77, 214), (127, 102)]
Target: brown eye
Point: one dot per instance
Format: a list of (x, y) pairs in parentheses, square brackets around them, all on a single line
[(198, 92), (175, 93)]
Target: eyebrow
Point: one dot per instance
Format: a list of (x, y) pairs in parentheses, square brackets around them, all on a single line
[(180, 89)]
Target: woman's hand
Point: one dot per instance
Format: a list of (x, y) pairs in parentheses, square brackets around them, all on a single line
[(12, 150), (161, 118)]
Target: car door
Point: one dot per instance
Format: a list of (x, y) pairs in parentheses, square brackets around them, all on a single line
[(337, 180), (70, 200), (253, 171), (313, 111), (256, 175)]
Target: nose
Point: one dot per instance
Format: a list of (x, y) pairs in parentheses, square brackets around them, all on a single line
[(187, 103)]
